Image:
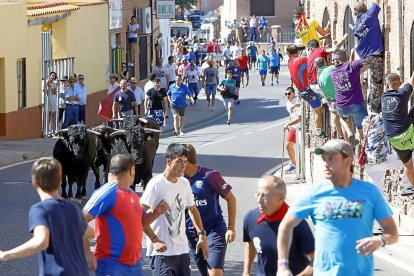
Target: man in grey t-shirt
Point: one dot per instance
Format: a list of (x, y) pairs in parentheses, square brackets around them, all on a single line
[(211, 81)]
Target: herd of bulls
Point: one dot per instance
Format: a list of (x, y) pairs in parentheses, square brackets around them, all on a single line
[(80, 148)]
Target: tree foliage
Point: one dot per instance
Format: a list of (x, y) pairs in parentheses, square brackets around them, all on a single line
[(185, 4)]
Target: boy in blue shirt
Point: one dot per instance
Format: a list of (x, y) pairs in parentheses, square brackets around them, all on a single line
[(60, 233)]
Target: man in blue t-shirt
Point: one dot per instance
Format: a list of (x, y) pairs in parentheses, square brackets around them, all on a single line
[(124, 102), (227, 88), (260, 230), (207, 186), (58, 228), (343, 210), (235, 69), (371, 48), (177, 97), (274, 60), (252, 54), (397, 123), (263, 62)]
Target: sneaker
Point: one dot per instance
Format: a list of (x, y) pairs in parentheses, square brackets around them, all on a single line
[(212, 109), (271, 84), (262, 83), (175, 132), (277, 81), (247, 84), (290, 170), (181, 133), (242, 85), (407, 191), (237, 102), (228, 122)]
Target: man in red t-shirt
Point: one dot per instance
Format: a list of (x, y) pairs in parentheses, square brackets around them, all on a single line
[(315, 51), (243, 62), (298, 68)]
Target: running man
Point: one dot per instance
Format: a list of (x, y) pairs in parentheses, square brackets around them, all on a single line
[(211, 81), (252, 54), (274, 65), (227, 87), (243, 62), (263, 62)]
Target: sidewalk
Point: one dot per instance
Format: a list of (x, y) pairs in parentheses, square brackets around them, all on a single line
[(16, 151), (397, 254)]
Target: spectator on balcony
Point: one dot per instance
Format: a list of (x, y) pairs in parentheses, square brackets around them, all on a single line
[(133, 30), (397, 122), (298, 68), (245, 26), (253, 28), (380, 156), (371, 48), (308, 30), (349, 98), (262, 26)]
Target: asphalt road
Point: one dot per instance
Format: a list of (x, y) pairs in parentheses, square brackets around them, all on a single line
[(243, 152)]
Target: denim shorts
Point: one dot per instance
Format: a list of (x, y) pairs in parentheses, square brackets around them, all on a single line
[(170, 265), (114, 268), (211, 89), (356, 112)]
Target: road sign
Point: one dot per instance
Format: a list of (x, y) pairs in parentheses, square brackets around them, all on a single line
[(165, 9)]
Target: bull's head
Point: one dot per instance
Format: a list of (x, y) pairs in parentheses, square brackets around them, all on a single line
[(105, 137), (134, 141), (77, 139)]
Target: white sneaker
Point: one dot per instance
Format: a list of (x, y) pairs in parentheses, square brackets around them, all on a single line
[(181, 133), (212, 108)]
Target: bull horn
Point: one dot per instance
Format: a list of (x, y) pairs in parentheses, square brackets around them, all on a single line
[(62, 131), (151, 130), (93, 132), (145, 121), (116, 133)]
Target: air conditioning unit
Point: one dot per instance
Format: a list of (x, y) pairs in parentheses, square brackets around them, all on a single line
[(144, 20)]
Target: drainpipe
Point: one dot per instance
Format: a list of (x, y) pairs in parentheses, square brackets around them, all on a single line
[(401, 9)]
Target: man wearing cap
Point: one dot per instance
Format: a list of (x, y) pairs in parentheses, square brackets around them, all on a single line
[(138, 93), (343, 210), (124, 102), (72, 104), (113, 83)]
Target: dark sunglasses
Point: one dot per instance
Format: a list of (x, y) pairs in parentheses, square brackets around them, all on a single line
[(287, 94), (81, 78)]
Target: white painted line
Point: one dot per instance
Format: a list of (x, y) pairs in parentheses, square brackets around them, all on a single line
[(278, 124), (248, 133), (388, 258), (218, 141), (17, 164)]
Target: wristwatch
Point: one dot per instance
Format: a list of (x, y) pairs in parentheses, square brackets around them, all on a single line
[(201, 232)]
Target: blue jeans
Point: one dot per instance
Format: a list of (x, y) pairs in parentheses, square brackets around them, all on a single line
[(71, 115), (252, 32), (356, 112), (82, 114), (114, 268), (194, 89)]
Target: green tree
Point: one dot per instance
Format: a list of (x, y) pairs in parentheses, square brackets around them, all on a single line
[(185, 4)]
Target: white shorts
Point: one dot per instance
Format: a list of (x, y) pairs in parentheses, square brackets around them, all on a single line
[(228, 103), (316, 89)]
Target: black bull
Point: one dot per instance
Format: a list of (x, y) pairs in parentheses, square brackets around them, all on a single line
[(139, 141), (75, 150)]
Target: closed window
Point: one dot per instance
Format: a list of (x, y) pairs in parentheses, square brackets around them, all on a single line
[(21, 83), (262, 7)]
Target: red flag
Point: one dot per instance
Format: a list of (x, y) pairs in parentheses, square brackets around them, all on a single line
[(105, 105)]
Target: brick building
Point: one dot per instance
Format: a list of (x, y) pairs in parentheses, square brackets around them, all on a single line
[(397, 19)]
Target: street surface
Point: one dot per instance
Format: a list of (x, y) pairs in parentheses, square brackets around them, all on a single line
[(243, 152)]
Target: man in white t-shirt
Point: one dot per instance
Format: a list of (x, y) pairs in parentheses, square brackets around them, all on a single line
[(294, 107), (162, 72), (150, 82), (167, 243), (172, 70), (133, 30), (138, 93), (236, 50)]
